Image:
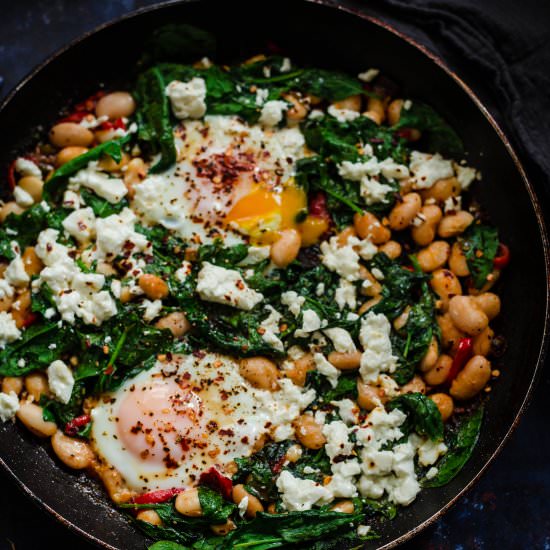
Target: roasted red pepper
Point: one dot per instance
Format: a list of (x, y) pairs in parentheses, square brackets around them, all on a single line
[(72, 427), (318, 206), (114, 125), (75, 117), (502, 259), (216, 481), (30, 319), (463, 352), (157, 497)]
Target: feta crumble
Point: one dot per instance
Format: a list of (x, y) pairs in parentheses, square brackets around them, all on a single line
[(187, 98), (60, 381), (9, 405)]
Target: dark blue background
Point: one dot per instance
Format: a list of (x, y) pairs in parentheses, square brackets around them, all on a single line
[(509, 508)]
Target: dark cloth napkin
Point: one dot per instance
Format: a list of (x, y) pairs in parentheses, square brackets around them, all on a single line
[(502, 48)]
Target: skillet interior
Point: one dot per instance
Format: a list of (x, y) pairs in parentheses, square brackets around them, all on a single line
[(309, 33)]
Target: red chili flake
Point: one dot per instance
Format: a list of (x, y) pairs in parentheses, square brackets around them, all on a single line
[(157, 497), (502, 259), (109, 370), (117, 124), (216, 481), (463, 352), (72, 427)]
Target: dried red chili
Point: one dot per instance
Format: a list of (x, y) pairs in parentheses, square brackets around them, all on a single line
[(216, 481), (463, 353), (72, 427), (502, 259)]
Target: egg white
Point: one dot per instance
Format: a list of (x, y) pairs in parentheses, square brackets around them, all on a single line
[(227, 417)]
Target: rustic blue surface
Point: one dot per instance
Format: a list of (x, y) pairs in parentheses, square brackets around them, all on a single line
[(508, 509)]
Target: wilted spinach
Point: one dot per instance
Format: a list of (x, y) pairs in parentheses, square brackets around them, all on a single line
[(480, 245)]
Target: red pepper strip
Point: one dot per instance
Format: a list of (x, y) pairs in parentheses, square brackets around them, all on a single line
[(502, 258), (405, 133), (11, 175), (463, 352), (318, 206), (72, 427), (156, 497), (77, 116), (115, 125), (216, 481)]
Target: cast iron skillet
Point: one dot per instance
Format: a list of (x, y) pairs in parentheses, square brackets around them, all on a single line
[(336, 37)]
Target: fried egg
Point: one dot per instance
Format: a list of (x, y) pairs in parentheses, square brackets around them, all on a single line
[(230, 180), (169, 424)]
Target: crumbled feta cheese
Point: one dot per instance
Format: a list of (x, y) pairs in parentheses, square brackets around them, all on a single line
[(429, 451), (338, 442), (465, 175), (348, 411), (377, 357), (369, 75), (27, 167), (109, 188), (346, 295), (293, 301), (320, 289), (8, 329), (15, 273), (432, 472), (80, 224), (22, 197), (243, 506), (116, 233), (75, 293), (295, 352), (364, 172), (343, 260), (226, 286), (363, 530), (393, 170), (272, 112), (256, 254), (5, 289), (187, 98), (310, 323), (301, 494), (407, 104), (342, 115), (377, 274), (427, 169), (60, 381), (9, 405), (341, 339), (452, 205), (152, 309), (316, 114), (71, 199), (270, 325), (326, 369), (184, 271), (261, 96), (286, 65)]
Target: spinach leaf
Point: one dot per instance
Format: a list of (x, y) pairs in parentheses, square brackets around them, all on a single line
[(400, 286), (166, 545), (380, 507), (38, 346), (61, 413), (214, 508), (437, 135), (178, 43), (316, 459), (480, 245), (274, 530), (423, 416), (101, 207), (218, 254), (461, 444), (22, 228), (153, 117), (260, 469), (111, 148), (412, 342)]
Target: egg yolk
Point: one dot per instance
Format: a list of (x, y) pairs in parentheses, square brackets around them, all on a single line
[(159, 422), (263, 211)]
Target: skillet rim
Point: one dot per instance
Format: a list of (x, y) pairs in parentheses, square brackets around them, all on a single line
[(362, 13)]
